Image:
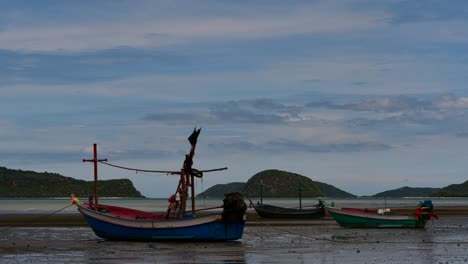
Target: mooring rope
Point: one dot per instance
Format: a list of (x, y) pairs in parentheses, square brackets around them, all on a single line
[(36, 218)]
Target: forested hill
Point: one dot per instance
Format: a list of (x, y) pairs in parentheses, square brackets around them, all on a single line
[(30, 184), (283, 184), (277, 183), (219, 190), (453, 190), (408, 192), (332, 191)]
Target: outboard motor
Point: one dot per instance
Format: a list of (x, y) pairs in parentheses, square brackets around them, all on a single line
[(234, 207), (427, 204), (426, 211)]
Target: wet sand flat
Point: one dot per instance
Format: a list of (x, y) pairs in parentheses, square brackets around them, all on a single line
[(442, 241), (76, 219)]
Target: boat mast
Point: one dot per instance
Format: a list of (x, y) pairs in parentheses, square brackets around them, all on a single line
[(261, 191), (95, 160), (187, 176), (300, 197)]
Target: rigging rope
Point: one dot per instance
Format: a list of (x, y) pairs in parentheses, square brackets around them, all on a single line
[(138, 170), (36, 218), (160, 171)]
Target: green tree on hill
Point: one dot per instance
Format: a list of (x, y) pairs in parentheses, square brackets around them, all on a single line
[(276, 183)]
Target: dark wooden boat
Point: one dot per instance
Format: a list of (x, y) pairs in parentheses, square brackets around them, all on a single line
[(382, 218), (119, 223), (271, 211)]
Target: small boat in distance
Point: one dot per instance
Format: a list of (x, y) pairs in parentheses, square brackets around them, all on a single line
[(271, 211), (119, 223), (302, 212), (382, 218)]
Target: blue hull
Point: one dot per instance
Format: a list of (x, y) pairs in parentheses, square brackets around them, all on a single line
[(217, 230)]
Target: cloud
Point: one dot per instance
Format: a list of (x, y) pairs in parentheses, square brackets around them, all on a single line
[(262, 111), (413, 11), (359, 83), (88, 67), (291, 145), (178, 117), (75, 156), (255, 111), (379, 104), (402, 115), (383, 104), (288, 145), (156, 31), (233, 112), (450, 101), (234, 146), (361, 71)]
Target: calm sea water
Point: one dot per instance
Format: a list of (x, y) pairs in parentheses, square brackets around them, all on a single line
[(160, 204)]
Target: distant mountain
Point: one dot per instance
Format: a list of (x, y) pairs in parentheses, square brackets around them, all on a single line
[(407, 192), (219, 190), (276, 183), (331, 191), (30, 184), (454, 190)]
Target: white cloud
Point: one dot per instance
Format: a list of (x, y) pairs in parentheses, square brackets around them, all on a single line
[(452, 102), (155, 32)]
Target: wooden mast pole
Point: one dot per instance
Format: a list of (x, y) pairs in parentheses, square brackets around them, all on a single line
[(183, 192), (189, 174), (95, 160), (300, 198), (192, 187), (261, 191), (187, 179)]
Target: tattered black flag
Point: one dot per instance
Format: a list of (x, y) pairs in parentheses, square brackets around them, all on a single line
[(194, 136)]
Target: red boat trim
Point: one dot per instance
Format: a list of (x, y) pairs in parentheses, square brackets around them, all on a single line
[(141, 223)]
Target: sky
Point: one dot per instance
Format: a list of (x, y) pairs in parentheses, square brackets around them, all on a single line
[(364, 95)]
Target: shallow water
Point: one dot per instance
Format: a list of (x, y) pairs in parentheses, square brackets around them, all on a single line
[(323, 241)]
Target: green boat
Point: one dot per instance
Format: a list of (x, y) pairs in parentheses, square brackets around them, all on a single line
[(382, 218)]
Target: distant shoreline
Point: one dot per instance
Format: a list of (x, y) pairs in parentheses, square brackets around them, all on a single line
[(76, 219), (68, 197), (264, 197)]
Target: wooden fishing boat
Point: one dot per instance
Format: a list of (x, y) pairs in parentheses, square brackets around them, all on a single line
[(119, 223), (356, 217), (271, 211)]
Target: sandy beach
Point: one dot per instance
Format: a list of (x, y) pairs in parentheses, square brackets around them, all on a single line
[(65, 238)]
